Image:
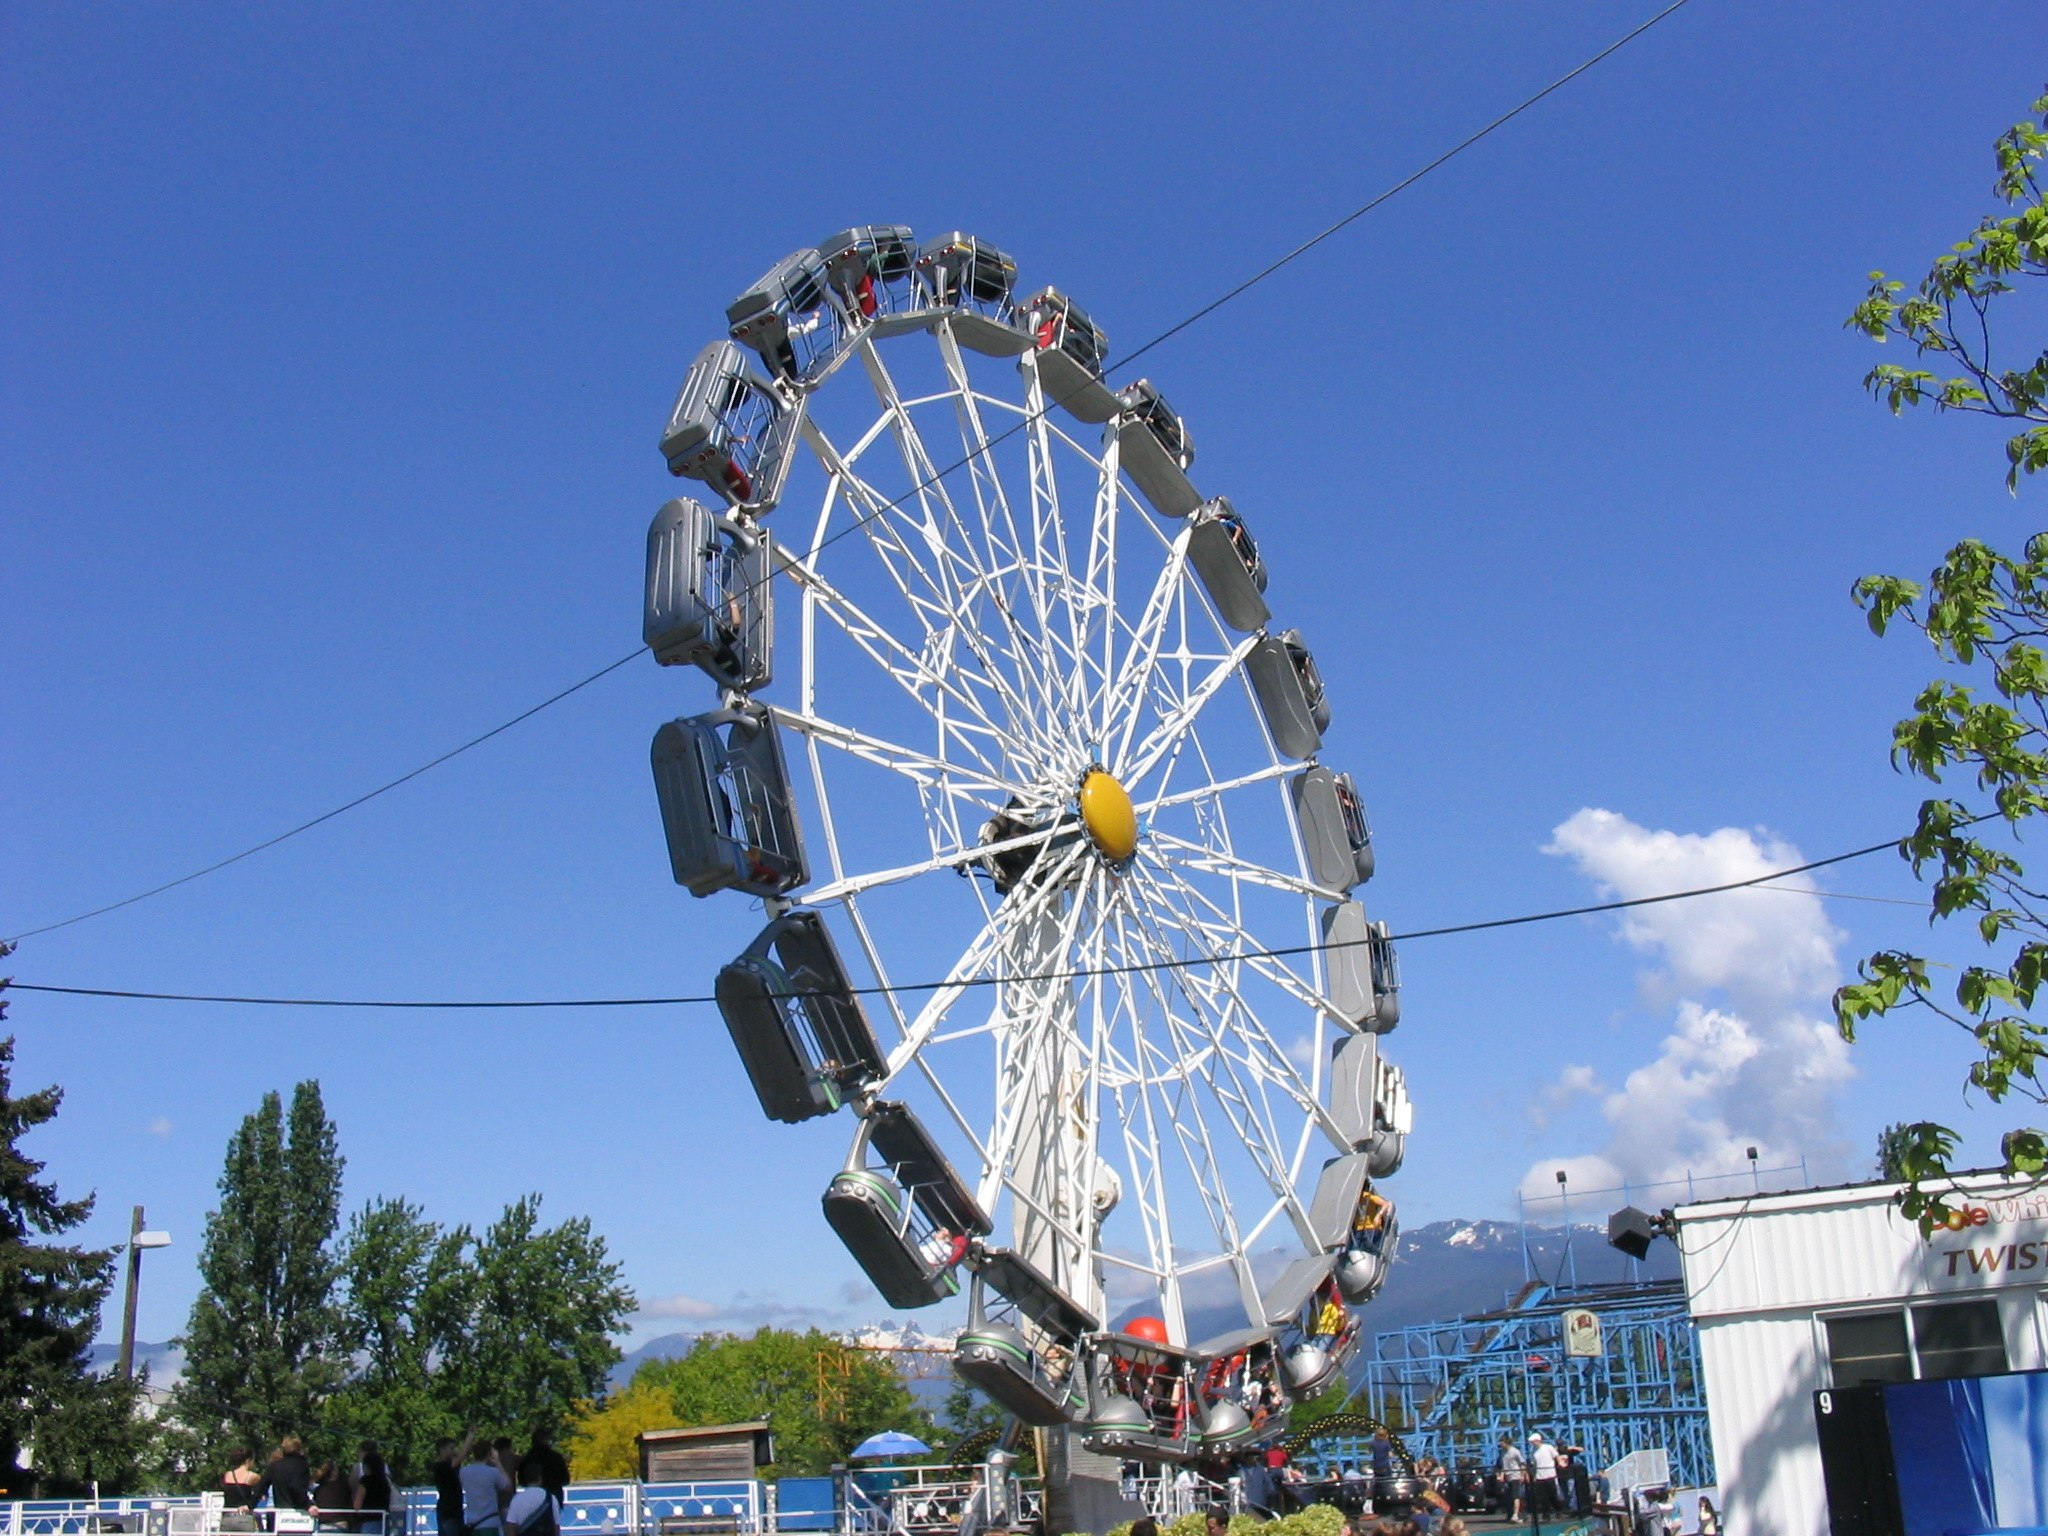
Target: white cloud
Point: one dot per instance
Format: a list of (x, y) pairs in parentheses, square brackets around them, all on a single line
[(1553, 1099), (1751, 1059), (160, 1126)]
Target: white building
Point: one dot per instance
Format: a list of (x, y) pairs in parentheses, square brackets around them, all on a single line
[(1814, 1289)]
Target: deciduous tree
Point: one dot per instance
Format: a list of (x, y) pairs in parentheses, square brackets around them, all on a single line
[(540, 1308), (1981, 728), (602, 1438), (407, 1293), (820, 1397)]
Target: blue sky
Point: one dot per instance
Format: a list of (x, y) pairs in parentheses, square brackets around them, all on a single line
[(336, 345)]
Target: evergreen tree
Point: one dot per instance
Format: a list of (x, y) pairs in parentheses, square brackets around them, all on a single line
[(79, 1426), (260, 1347)]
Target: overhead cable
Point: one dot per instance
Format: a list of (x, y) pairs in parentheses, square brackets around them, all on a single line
[(1188, 963), (860, 519)]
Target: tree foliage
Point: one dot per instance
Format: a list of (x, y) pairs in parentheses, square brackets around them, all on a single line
[(505, 1334), (1947, 319), (401, 1332), (80, 1426), (602, 1436), (261, 1347), (820, 1397), (1981, 728), (540, 1308), (405, 1293), (1894, 1142)]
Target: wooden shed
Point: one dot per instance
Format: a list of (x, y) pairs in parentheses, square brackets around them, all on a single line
[(714, 1453)]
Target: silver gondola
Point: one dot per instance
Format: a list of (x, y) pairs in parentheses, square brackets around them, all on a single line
[(1289, 688), (786, 318), (1140, 1399), (1224, 555), (799, 1027), (1334, 832), (892, 1205), (1369, 1102), (973, 281), (1347, 960), (1156, 451), (726, 808), (1040, 1384), (709, 601), (731, 430), (1296, 1303), (868, 269), (1071, 349)]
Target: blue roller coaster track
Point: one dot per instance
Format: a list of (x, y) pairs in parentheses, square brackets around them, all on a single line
[(1453, 1389)]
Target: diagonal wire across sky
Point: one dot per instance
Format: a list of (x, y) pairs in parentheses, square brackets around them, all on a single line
[(1242, 287)]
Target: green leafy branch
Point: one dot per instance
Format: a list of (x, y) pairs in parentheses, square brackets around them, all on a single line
[(1985, 613), (1949, 314)]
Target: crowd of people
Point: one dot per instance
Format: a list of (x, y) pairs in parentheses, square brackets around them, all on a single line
[(481, 1487), (1550, 1480), (338, 1498)]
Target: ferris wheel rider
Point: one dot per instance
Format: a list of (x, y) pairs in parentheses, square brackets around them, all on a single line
[(943, 1250), (1369, 1221), (1331, 1318)]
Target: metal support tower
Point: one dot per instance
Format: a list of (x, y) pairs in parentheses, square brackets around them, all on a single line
[(1452, 1389)]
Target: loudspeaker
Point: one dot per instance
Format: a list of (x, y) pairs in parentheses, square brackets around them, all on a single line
[(1631, 1231)]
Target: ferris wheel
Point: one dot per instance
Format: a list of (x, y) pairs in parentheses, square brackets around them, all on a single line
[(1060, 903)]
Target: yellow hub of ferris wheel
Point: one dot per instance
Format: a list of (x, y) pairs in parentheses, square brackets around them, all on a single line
[(1109, 816)]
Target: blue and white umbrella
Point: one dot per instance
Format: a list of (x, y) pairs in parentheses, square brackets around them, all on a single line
[(890, 1442)]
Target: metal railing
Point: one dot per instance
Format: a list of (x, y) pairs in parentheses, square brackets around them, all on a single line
[(623, 1508), (191, 1514)]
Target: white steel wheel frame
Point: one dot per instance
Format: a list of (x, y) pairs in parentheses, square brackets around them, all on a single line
[(1031, 627)]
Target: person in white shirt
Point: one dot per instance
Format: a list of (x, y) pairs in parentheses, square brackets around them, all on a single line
[(1514, 1476), (533, 1510), (1543, 1475)]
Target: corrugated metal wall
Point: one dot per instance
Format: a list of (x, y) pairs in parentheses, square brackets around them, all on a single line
[(1758, 1272)]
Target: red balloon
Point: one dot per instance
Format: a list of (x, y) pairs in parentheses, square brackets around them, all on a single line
[(1151, 1329)]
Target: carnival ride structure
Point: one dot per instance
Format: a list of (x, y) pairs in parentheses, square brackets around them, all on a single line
[(1028, 728)]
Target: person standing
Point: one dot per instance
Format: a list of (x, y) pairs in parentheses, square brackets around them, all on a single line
[(373, 1488), (333, 1492), (485, 1490), (1580, 1480), (288, 1480), (1382, 1453), (506, 1460), (554, 1467), (533, 1510), (238, 1487), (1542, 1475), (1514, 1477), (448, 1485)]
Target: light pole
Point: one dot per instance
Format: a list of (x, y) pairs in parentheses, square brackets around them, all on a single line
[(137, 1241)]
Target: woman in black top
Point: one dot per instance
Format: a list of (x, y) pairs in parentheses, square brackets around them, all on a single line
[(238, 1483), (373, 1488)]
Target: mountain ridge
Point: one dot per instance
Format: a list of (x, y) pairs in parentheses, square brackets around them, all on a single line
[(1443, 1270)]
